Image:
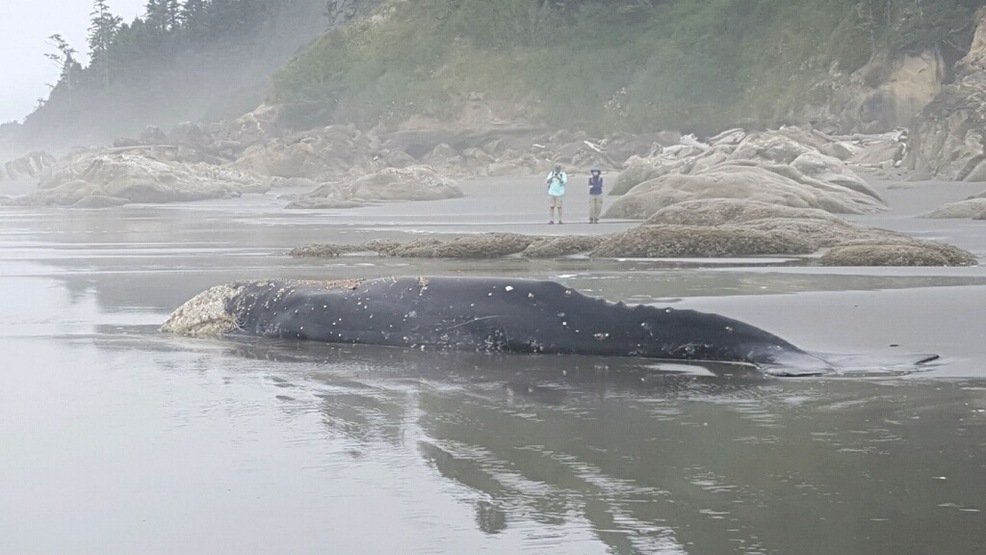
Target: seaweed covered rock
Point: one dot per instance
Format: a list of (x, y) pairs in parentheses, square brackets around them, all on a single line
[(897, 252), (664, 241), (724, 211), (485, 246), (813, 226), (493, 245), (821, 233), (317, 250), (566, 245)]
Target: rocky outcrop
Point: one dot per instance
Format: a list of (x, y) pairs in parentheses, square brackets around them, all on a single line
[(948, 138), (903, 251), (818, 228), (781, 167), (766, 183), (886, 93), (564, 245), (671, 241), (948, 141), (487, 245), (106, 178), (29, 166), (326, 154), (974, 208), (714, 212), (387, 185), (851, 244)]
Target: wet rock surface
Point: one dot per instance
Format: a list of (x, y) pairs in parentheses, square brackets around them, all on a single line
[(897, 252), (671, 241), (777, 233), (138, 175)]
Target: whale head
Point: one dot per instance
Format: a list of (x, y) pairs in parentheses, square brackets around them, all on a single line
[(206, 314)]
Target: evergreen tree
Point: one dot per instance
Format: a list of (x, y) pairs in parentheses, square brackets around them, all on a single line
[(162, 15), (103, 27), (194, 19), (221, 18), (64, 59)]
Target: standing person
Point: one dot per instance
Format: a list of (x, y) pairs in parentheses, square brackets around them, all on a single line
[(595, 195), (556, 190)]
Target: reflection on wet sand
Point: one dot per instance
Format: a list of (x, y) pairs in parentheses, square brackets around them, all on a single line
[(123, 440), (649, 461)]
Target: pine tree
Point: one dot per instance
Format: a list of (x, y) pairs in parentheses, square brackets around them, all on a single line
[(103, 28), (193, 16), (162, 15), (64, 59)]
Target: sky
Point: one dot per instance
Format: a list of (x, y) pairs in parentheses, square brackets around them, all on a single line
[(25, 26)]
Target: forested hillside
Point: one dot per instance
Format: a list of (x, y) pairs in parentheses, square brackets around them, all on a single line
[(610, 65), (183, 60), (603, 66)]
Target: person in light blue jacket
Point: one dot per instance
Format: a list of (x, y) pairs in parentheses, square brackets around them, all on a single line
[(556, 191)]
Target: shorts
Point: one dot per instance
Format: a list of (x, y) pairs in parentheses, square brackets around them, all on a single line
[(554, 202)]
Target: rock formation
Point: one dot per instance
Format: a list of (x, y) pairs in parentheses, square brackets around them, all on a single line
[(974, 207), (386, 185), (30, 166), (106, 178), (948, 139), (780, 167), (886, 93)]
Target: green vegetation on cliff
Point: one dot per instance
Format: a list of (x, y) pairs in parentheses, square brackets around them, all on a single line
[(606, 65)]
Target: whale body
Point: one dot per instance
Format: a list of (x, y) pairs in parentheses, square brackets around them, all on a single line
[(479, 314)]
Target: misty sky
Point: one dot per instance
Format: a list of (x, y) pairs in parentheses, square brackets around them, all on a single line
[(25, 26)]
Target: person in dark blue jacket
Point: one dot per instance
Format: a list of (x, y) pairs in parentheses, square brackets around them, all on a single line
[(595, 195)]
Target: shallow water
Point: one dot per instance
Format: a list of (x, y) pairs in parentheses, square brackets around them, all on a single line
[(118, 439)]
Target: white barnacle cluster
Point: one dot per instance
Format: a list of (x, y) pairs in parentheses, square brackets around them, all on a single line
[(205, 314)]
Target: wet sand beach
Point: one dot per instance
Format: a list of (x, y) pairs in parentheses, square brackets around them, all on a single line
[(119, 439)]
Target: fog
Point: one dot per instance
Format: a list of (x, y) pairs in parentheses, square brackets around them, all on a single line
[(24, 32)]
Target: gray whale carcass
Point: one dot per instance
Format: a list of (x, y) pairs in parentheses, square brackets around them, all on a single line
[(480, 314)]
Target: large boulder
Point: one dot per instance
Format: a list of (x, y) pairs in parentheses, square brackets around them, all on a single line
[(29, 166), (821, 233), (328, 152), (973, 208), (636, 171), (386, 185), (731, 211), (784, 167), (903, 251), (139, 176), (563, 245), (660, 241), (768, 183)]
